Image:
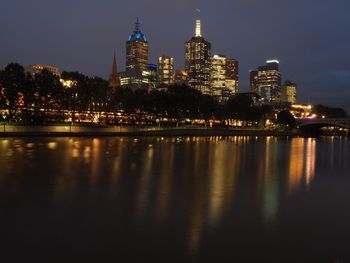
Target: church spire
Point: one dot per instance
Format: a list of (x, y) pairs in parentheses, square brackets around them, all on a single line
[(114, 81)]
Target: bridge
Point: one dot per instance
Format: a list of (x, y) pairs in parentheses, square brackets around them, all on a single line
[(315, 125)]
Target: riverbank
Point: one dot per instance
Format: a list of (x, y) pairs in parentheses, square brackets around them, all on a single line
[(65, 131)]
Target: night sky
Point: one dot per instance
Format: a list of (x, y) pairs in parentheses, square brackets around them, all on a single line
[(311, 38)]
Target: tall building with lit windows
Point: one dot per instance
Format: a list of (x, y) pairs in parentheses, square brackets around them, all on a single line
[(166, 72), (152, 76), (137, 50), (253, 75), (289, 92), (223, 77), (266, 82), (218, 76), (197, 61), (232, 77), (137, 72)]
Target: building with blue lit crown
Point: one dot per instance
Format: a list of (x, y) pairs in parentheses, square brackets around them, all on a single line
[(137, 72), (137, 50)]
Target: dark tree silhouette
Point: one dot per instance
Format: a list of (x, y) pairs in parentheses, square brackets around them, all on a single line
[(286, 118)]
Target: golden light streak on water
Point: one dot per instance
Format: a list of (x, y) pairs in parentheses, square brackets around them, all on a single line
[(296, 163), (310, 161)]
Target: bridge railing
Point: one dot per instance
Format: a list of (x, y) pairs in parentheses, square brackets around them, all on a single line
[(344, 123)]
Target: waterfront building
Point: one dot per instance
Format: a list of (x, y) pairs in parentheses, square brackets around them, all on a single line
[(37, 68), (224, 77), (135, 79), (266, 82), (289, 92), (232, 74), (218, 76), (253, 75), (114, 81), (137, 72), (137, 50), (152, 76), (302, 111), (197, 61), (165, 70)]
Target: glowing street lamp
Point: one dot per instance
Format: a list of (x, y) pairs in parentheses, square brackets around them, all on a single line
[(4, 118)]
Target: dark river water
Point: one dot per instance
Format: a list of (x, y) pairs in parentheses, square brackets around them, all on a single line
[(237, 199)]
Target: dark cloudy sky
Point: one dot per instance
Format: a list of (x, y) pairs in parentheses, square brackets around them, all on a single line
[(311, 38)]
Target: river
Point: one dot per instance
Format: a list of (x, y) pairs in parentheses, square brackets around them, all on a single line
[(181, 199)]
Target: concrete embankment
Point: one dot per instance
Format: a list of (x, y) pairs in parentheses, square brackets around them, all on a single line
[(100, 132)]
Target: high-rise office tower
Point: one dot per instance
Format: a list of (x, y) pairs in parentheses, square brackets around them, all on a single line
[(114, 81), (266, 82), (232, 77), (165, 70), (253, 74), (197, 61), (137, 72), (152, 76), (289, 92), (218, 76), (224, 77), (137, 50)]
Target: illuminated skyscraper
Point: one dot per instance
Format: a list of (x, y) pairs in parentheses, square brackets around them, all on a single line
[(224, 77), (253, 74), (232, 77), (197, 61), (218, 76), (266, 82), (152, 77), (137, 50), (165, 70), (289, 92), (137, 71), (114, 81)]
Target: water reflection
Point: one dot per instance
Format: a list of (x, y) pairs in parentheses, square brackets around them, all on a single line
[(310, 161), (191, 187), (270, 178), (302, 163), (164, 193), (296, 163), (144, 189)]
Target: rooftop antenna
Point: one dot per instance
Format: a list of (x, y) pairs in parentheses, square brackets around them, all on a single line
[(198, 25), (137, 25)]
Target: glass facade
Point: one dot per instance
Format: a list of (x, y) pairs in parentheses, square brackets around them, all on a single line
[(165, 70), (266, 82), (224, 77), (198, 62), (137, 70), (289, 92)]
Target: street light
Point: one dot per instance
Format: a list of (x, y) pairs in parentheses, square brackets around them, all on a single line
[(4, 118)]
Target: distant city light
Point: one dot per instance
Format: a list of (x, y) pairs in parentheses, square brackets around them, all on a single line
[(272, 61)]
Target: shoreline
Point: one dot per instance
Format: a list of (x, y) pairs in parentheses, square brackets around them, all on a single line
[(150, 133)]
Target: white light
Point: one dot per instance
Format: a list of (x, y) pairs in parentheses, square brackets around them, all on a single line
[(198, 28), (272, 61)]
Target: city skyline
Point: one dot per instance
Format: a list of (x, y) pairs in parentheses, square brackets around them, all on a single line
[(318, 63)]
